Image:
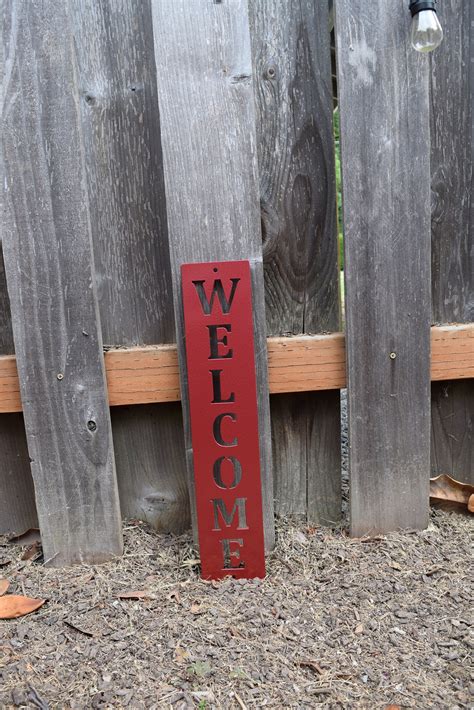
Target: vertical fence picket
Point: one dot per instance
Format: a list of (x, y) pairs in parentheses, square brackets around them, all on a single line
[(17, 497), (452, 228), (120, 120), (48, 258), (383, 99), (291, 50), (205, 91), (17, 503)]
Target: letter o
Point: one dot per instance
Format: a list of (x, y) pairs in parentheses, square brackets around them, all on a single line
[(218, 474)]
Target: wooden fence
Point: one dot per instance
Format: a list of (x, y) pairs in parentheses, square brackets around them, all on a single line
[(138, 136)]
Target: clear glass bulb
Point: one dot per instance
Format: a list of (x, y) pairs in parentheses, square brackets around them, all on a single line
[(426, 31)]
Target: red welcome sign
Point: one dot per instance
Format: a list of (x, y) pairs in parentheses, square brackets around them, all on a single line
[(218, 327)]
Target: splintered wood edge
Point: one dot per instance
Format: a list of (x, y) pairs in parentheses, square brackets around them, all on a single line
[(143, 375)]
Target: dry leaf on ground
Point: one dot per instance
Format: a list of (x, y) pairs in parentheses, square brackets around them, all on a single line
[(134, 595), (444, 489), (180, 654), (4, 584), (33, 551), (14, 605)]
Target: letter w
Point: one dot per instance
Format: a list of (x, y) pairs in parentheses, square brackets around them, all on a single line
[(225, 302)]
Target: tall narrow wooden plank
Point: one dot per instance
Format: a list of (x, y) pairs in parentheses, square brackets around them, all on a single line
[(120, 122), (119, 105), (291, 50), (452, 228), (17, 498), (383, 99), (17, 507), (205, 91), (48, 257)]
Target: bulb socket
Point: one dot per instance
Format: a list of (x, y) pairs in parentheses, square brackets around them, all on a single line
[(417, 6)]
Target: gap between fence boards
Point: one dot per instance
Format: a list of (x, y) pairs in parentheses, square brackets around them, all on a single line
[(306, 363)]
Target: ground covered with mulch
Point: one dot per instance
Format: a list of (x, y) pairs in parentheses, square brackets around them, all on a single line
[(337, 623)]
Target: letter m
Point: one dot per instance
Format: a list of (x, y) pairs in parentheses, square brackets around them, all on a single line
[(208, 304), (219, 507)]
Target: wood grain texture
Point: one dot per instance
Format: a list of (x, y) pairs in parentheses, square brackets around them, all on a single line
[(143, 375), (121, 128), (452, 352), (17, 497), (204, 71), (17, 506), (452, 146), (304, 363), (119, 107), (48, 257), (6, 333), (383, 99), (452, 424), (292, 62), (323, 426), (297, 364), (452, 228), (149, 492)]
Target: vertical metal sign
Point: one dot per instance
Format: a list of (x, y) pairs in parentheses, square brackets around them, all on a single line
[(218, 326)]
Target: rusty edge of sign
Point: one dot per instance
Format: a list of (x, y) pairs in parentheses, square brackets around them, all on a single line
[(142, 375)]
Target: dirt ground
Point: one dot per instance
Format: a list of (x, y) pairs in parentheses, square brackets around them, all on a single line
[(337, 623)]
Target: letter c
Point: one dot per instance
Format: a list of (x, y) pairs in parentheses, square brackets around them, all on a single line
[(217, 429)]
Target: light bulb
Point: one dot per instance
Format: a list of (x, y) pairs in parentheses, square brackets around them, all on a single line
[(426, 31)]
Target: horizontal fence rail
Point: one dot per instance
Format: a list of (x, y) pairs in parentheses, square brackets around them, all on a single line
[(306, 363)]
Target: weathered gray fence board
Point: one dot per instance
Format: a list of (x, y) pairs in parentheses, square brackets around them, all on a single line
[(298, 206), (323, 422), (149, 449), (119, 106), (48, 257), (383, 99), (17, 497), (452, 228), (205, 90), (17, 507), (452, 425), (114, 44), (6, 334)]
